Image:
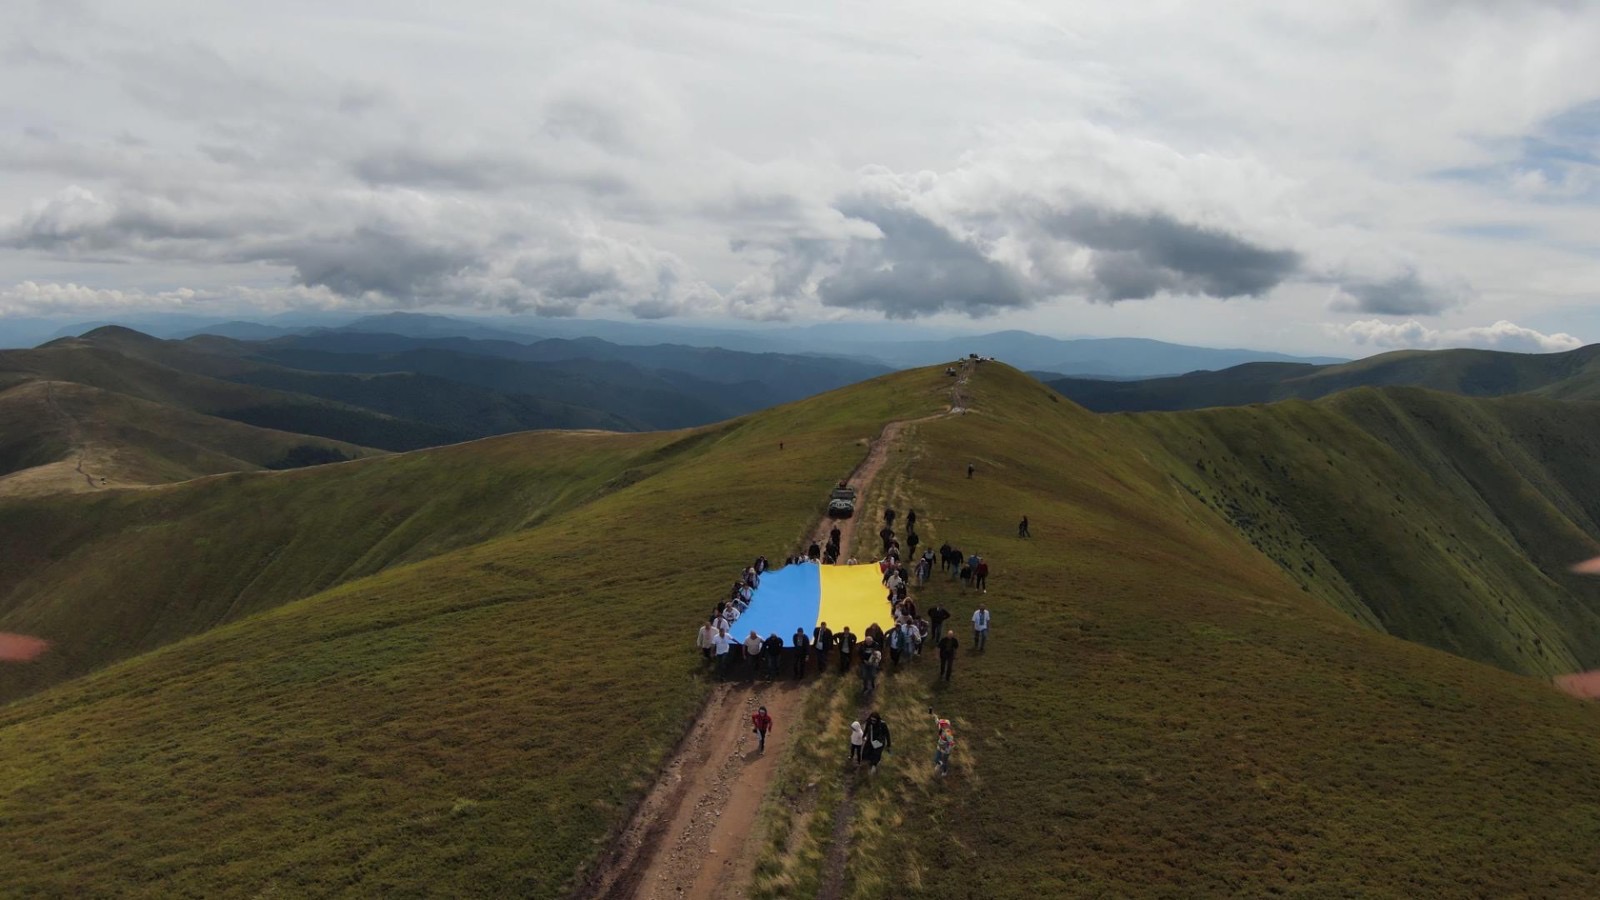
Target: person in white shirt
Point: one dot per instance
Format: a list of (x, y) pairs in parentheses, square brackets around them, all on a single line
[(752, 651), (707, 635), (858, 737), (980, 627), (720, 646)]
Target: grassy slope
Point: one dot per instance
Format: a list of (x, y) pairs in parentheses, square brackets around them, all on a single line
[(1164, 712), (103, 364), (472, 724), (134, 441), (111, 575), (1572, 375), (1444, 520)]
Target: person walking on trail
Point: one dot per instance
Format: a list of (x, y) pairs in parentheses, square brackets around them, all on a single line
[(911, 543), (947, 653), (871, 659), (936, 618), (752, 652), (822, 641), (878, 742), (888, 517), (943, 745), (1022, 528), (886, 534), (970, 470), (707, 638), (772, 650), (814, 552), (980, 627), (847, 649), (858, 737), (762, 724), (911, 519), (980, 575), (720, 647), (802, 652), (834, 535)]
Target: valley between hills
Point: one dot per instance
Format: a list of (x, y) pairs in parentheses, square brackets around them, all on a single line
[(1303, 648)]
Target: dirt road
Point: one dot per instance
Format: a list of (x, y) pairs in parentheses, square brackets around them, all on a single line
[(694, 834)]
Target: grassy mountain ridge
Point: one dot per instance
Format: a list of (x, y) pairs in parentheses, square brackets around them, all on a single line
[(1160, 715), (124, 440), (1570, 375), (1444, 520), (112, 575), (1163, 709), (109, 366), (472, 723)]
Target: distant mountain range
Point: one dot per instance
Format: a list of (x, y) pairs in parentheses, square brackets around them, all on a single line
[(1572, 375), (894, 346), (226, 404)]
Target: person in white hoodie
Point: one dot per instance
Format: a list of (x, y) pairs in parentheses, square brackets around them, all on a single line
[(858, 737)]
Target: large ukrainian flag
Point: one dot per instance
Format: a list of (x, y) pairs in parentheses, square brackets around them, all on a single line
[(801, 596)]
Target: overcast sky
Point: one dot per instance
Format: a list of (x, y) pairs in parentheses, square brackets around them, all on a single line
[(1343, 178)]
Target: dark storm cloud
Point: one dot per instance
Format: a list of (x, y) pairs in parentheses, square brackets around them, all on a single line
[(567, 278), (372, 259), (1405, 294), (917, 268), (1139, 255)]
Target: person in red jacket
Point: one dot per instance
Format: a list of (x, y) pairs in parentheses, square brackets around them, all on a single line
[(763, 724)]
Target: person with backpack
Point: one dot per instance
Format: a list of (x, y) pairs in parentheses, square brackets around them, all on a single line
[(847, 649), (877, 741), (762, 724), (980, 627), (802, 652)]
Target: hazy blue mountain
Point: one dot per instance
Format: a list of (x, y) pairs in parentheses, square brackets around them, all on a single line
[(1120, 357), (890, 345), (1571, 375)]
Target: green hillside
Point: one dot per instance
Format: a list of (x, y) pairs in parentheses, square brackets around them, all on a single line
[(1572, 375), (111, 575), (1443, 520), (1164, 710), (73, 437), (101, 361), (474, 723)]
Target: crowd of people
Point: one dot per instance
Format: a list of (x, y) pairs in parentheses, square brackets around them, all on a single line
[(911, 631), (909, 635)]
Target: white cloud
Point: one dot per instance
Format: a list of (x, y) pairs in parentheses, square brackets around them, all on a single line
[(1502, 335), (28, 298), (657, 159)]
